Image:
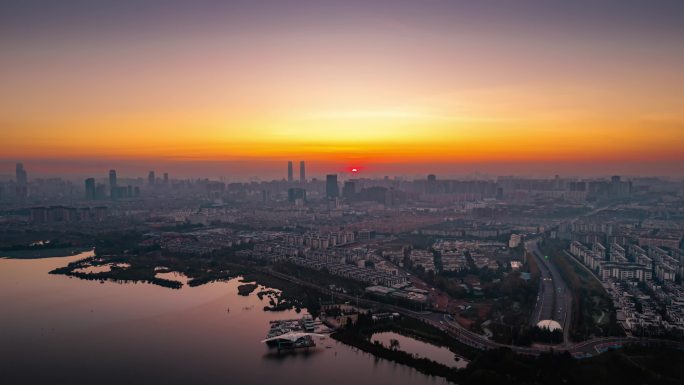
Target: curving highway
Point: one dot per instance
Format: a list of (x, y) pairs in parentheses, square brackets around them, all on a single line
[(445, 323)]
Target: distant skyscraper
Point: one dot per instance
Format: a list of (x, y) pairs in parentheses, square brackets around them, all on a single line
[(619, 188), (302, 172), (90, 189), (151, 178), (332, 190), (349, 189), (431, 187), (166, 177), (21, 174), (112, 184), (290, 173), (22, 181)]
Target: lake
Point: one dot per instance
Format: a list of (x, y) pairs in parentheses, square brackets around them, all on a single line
[(421, 349), (57, 329)]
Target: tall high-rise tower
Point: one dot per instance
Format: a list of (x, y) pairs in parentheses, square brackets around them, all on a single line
[(151, 177), (22, 181), (290, 172), (332, 190), (21, 174), (112, 184), (349, 189), (90, 189), (302, 172)]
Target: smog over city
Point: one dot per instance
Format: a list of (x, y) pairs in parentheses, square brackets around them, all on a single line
[(369, 192)]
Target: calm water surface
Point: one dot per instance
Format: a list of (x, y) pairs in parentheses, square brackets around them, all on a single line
[(56, 329), (421, 349)]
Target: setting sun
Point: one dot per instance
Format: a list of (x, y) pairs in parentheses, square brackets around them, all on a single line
[(516, 93), (314, 192)]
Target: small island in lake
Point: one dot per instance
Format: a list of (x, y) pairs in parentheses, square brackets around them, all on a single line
[(247, 288)]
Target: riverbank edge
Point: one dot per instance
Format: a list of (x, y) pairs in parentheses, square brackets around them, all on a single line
[(422, 365), (61, 252)]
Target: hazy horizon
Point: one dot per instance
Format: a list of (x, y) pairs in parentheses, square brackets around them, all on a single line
[(441, 86), (491, 191), (246, 170)]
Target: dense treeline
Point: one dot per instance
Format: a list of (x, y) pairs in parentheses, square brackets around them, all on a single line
[(628, 366), (54, 244)]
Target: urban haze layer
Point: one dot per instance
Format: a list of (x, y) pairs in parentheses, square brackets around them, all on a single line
[(308, 192), (524, 280)]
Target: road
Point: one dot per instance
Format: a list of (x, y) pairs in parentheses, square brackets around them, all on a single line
[(544, 307), (555, 298), (448, 325)]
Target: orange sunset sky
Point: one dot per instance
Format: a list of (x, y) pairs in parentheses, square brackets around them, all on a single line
[(237, 88)]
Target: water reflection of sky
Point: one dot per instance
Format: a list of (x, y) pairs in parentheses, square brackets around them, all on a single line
[(57, 329), (421, 349)]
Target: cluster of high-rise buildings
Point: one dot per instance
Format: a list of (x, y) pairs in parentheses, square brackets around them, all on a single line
[(641, 268), (332, 188), (316, 240), (97, 191), (19, 188), (387, 191), (115, 191), (634, 261), (302, 172), (633, 242)]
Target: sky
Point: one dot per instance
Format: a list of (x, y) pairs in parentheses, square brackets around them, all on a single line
[(211, 88)]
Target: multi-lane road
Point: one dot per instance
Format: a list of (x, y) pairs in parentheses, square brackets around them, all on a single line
[(554, 301), (450, 326)]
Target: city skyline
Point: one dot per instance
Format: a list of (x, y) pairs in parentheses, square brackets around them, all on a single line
[(344, 172), (342, 191), (529, 88)]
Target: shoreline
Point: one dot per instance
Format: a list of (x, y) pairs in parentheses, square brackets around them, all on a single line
[(44, 253)]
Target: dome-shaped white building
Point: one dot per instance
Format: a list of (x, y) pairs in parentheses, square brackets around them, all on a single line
[(549, 324)]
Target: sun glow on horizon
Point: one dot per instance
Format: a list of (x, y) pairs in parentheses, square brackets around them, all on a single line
[(250, 85)]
